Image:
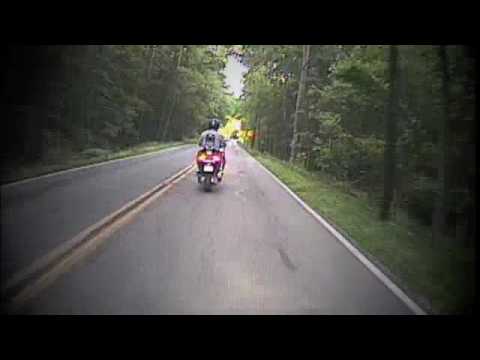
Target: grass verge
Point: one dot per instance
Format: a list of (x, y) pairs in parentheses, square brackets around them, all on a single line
[(12, 173), (440, 278)]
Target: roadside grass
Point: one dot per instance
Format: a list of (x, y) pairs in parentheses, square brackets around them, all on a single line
[(439, 278), (15, 172)]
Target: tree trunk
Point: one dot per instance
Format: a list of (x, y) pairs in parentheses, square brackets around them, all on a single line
[(299, 109), (169, 117), (402, 157), (90, 65), (285, 153), (175, 96), (157, 117), (264, 138), (312, 130), (153, 50), (257, 132), (270, 142), (390, 136), (439, 213), (254, 136)]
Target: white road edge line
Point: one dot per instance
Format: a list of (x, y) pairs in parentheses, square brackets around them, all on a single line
[(367, 263), (93, 165)]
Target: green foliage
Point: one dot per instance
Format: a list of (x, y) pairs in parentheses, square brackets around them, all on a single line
[(344, 156), (440, 279), (113, 96), (95, 152), (357, 91), (343, 135), (421, 196)]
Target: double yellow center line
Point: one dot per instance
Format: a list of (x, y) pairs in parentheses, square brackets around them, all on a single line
[(29, 282)]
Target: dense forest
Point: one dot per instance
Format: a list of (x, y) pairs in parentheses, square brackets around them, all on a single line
[(394, 121), (65, 99)]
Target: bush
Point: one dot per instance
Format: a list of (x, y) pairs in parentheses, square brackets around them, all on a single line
[(95, 152), (421, 199), (346, 157), (56, 146)]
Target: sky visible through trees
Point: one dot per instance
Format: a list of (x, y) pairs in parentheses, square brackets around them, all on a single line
[(234, 72)]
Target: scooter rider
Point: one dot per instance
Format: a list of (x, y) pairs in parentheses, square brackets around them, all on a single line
[(213, 139)]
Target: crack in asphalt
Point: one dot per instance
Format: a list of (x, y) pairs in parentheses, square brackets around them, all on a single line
[(286, 260)]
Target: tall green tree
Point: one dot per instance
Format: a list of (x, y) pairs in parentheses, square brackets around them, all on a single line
[(443, 145), (359, 109), (111, 96), (390, 135), (299, 116)]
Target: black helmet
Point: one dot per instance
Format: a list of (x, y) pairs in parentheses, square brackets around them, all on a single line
[(214, 124)]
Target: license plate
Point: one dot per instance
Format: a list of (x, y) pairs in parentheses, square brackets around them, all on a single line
[(208, 168)]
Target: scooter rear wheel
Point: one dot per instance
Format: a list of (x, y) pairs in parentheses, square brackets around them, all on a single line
[(207, 183)]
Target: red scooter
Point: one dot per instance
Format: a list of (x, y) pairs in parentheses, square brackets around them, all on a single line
[(210, 167)]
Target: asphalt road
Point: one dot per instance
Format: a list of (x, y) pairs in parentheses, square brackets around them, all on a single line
[(39, 215), (246, 248)]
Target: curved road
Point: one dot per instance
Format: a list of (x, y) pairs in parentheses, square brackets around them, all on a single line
[(246, 248), (39, 215)]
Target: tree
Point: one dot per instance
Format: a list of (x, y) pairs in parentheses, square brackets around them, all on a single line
[(390, 135), (300, 107), (358, 115), (443, 149), (110, 96), (180, 54)]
